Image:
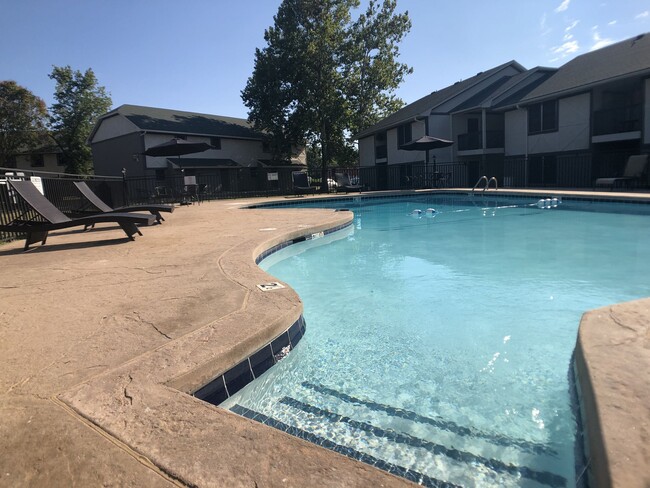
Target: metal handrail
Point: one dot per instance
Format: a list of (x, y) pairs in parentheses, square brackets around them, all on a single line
[(496, 184), (479, 181)]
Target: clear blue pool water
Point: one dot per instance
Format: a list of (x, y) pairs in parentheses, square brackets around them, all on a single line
[(440, 347)]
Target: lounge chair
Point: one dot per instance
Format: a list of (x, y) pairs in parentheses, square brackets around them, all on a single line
[(301, 183), (343, 183), (98, 203), (634, 169), (51, 218)]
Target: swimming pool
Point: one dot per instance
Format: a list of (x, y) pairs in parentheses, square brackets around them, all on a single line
[(438, 344)]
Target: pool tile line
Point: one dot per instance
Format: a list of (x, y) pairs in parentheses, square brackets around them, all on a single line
[(227, 384), (350, 452), (543, 477), (303, 238), (414, 196), (449, 426)]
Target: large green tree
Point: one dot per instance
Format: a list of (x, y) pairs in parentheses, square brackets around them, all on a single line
[(301, 90), (80, 100), (371, 69), (23, 117)]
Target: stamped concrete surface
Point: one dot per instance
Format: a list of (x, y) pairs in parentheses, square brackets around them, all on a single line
[(103, 340)]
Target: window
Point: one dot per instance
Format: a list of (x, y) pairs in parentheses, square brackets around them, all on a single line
[(404, 134), (37, 160), (542, 117), (215, 142), (472, 125), (59, 159), (11, 162), (266, 146), (380, 145)]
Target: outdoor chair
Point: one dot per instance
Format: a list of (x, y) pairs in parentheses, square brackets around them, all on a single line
[(343, 183), (635, 168), (99, 204), (301, 183), (162, 194), (48, 217)]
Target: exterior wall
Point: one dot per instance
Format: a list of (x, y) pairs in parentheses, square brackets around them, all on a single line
[(441, 126), (397, 156), (114, 126), (244, 151), (111, 155), (645, 137), (367, 151), (573, 128), (50, 163), (516, 132)]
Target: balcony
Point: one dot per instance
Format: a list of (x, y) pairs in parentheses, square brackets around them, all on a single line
[(474, 140), (617, 120)]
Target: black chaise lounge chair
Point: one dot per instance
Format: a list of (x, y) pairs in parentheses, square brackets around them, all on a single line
[(343, 183), (301, 183), (98, 203), (635, 168), (51, 218)]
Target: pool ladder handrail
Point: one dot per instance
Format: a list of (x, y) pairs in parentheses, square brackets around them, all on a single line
[(487, 183)]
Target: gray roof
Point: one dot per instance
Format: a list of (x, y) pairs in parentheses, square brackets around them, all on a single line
[(425, 104), (179, 122), (629, 57)]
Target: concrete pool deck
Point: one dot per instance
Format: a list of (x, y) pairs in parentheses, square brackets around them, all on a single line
[(102, 339)]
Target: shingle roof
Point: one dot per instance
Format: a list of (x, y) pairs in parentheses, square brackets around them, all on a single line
[(434, 99), (617, 60), (180, 122)]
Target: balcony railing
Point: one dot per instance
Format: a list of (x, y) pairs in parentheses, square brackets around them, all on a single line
[(617, 120), (474, 140)]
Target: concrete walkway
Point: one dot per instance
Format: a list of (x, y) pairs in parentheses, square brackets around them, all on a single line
[(102, 339)]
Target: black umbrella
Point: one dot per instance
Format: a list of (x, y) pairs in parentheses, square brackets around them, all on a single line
[(177, 147), (426, 143)]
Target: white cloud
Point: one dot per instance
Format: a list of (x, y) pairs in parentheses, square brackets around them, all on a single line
[(563, 6), (571, 25), (613, 22), (642, 15), (600, 42), (566, 48)]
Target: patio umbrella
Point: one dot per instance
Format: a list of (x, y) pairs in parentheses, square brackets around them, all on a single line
[(177, 147), (426, 143)]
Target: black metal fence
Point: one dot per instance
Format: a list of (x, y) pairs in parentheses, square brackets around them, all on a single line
[(540, 171)]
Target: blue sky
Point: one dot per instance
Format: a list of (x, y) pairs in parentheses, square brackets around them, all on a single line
[(196, 55)]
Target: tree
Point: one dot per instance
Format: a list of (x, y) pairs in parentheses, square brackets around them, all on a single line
[(298, 91), (371, 68), (79, 103), (23, 116)]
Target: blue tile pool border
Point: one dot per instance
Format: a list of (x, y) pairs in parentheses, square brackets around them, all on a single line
[(227, 384), (234, 379), (296, 240), (503, 194)]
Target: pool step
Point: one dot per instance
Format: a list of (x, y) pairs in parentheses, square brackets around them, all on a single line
[(395, 469), (424, 458), (437, 423)]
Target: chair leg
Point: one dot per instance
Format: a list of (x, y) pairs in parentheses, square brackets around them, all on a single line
[(34, 237), (130, 229)]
